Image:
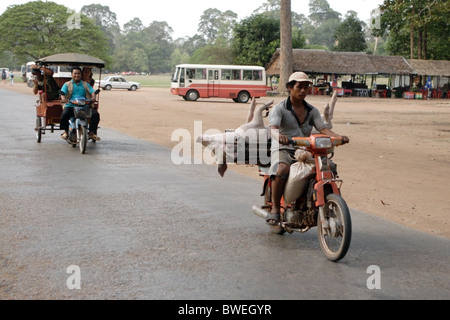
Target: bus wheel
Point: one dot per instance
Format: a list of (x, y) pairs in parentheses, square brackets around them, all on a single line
[(192, 95), (243, 97)]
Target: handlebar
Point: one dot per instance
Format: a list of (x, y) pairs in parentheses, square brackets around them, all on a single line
[(318, 141)]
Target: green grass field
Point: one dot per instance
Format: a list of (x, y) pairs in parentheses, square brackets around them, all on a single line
[(151, 81)]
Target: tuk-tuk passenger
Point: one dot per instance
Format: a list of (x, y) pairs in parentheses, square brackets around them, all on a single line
[(41, 82)]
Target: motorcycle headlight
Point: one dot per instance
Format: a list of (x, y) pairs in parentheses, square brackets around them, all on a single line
[(324, 143)]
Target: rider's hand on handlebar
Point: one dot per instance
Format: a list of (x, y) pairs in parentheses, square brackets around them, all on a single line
[(97, 91), (284, 140)]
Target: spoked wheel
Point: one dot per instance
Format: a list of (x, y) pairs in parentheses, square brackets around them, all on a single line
[(38, 129), (335, 239), (82, 138)]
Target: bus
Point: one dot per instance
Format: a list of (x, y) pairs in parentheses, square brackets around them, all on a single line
[(240, 83)]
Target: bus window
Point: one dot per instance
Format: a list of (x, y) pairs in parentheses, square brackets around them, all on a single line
[(179, 75), (236, 75), (182, 80), (198, 74), (226, 74), (257, 75), (229, 74), (247, 74)]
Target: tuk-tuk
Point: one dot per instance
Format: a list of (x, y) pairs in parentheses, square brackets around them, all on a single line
[(48, 112)]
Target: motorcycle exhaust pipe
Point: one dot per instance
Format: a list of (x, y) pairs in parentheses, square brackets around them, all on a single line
[(260, 212)]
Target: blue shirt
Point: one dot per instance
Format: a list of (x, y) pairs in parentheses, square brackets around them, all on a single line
[(78, 91)]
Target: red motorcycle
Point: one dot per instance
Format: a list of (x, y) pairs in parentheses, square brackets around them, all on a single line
[(315, 200)]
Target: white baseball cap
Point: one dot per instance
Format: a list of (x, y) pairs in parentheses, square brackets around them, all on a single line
[(300, 77)]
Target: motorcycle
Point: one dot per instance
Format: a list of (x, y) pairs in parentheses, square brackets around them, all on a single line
[(79, 122), (314, 200)]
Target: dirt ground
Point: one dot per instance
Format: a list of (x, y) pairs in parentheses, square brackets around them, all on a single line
[(395, 165)]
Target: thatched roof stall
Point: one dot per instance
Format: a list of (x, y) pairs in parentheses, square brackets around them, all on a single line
[(400, 71), (341, 63), (390, 65), (434, 68)]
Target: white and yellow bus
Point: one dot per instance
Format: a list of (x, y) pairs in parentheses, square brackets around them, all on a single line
[(240, 83)]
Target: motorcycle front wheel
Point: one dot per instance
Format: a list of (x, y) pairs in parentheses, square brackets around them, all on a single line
[(335, 239), (83, 138), (39, 129)]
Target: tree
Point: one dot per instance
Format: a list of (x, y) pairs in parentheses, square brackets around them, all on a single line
[(320, 11), (147, 50), (8, 60), (104, 18), (350, 35), (324, 21), (159, 46), (286, 52), (213, 54), (255, 40), (272, 9), (416, 28), (215, 23), (46, 28), (133, 26)]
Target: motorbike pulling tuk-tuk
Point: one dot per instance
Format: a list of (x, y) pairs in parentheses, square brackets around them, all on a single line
[(48, 112)]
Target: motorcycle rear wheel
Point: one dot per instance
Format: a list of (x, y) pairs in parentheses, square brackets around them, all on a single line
[(335, 241)]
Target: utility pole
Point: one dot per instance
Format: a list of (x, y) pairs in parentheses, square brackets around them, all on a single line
[(286, 51)]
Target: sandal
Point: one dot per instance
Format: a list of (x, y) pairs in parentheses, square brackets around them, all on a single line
[(273, 219), (94, 137)]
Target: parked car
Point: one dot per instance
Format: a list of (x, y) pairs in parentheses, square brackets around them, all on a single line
[(117, 82)]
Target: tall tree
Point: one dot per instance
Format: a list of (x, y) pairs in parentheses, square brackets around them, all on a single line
[(255, 40), (37, 29), (133, 26), (416, 28), (104, 18), (350, 35), (215, 23), (286, 52), (325, 22), (320, 11)]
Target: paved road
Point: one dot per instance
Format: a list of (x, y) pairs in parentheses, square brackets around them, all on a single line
[(135, 226)]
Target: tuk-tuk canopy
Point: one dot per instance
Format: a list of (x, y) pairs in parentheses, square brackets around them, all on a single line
[(72, 59)]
